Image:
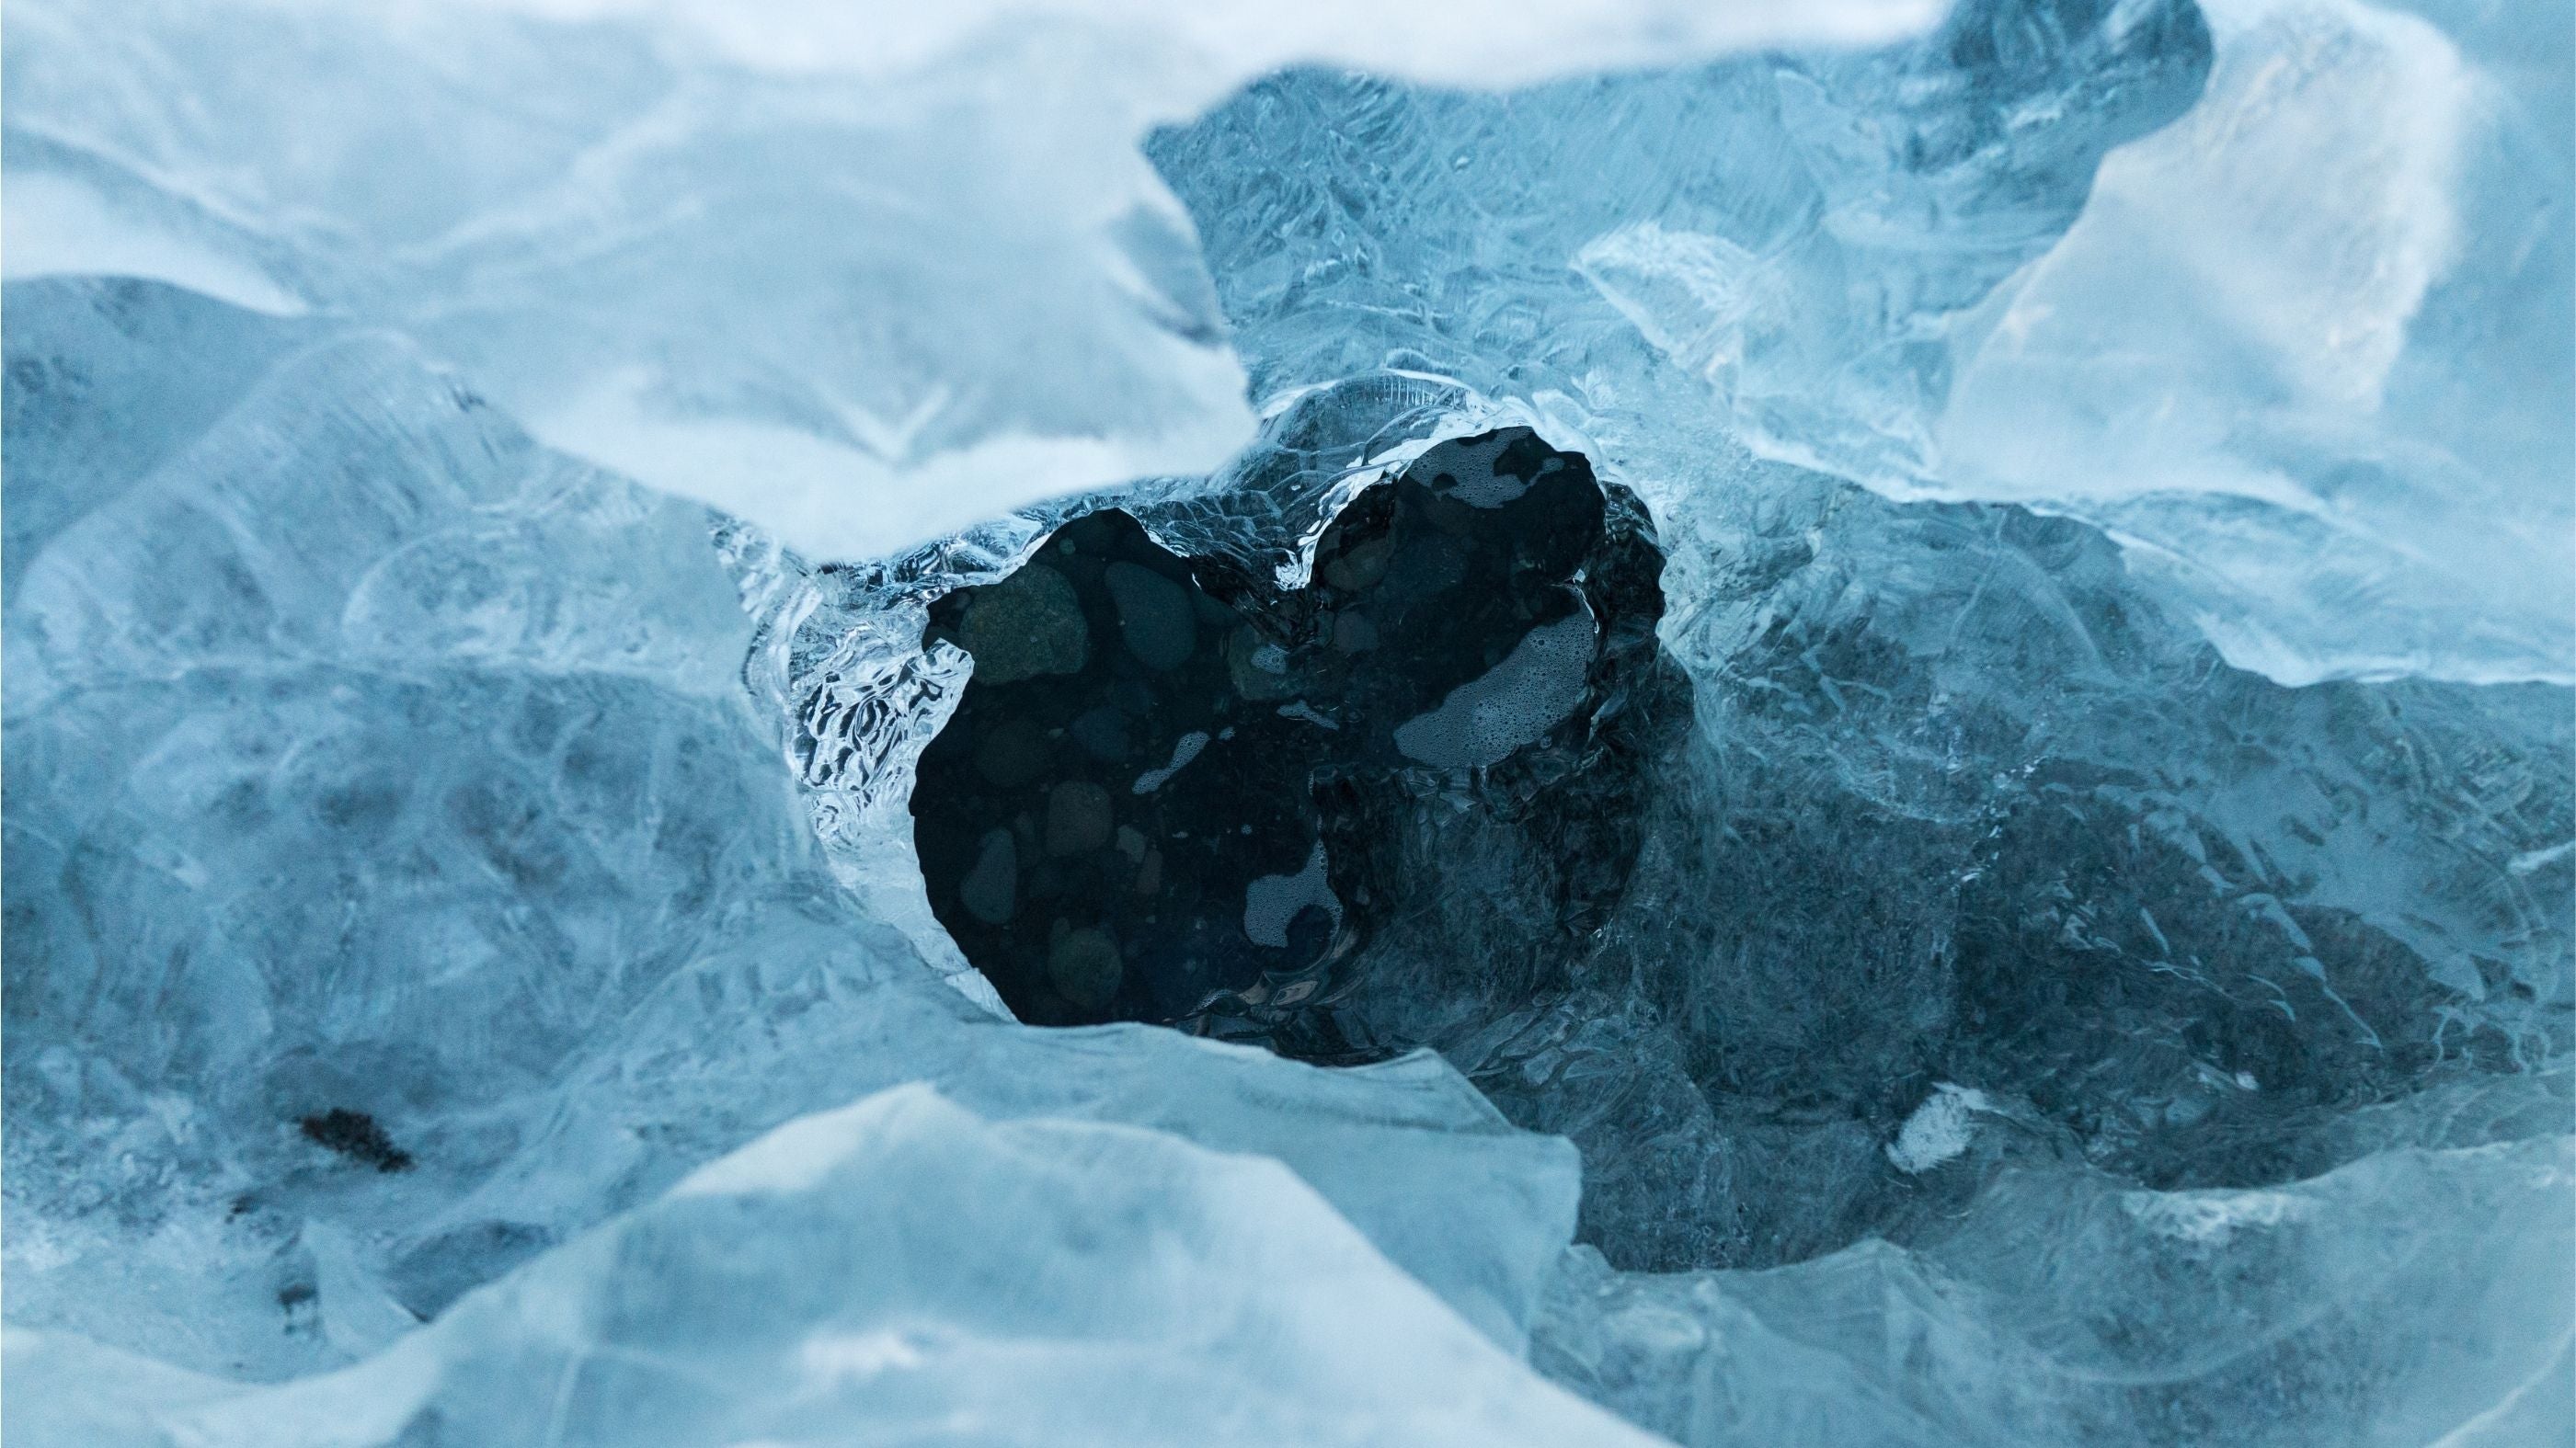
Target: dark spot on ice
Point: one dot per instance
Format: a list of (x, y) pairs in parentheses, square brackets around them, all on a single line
[(1171, 788), (355, 1134)]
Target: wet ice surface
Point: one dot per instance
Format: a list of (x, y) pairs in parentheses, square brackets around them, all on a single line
[(2084, 954)]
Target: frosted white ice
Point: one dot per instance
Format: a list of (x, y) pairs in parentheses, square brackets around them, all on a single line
[(1939, 1130), (2215, 363), (860, 274), (57, 226), (1223, 43), (2305, 351)]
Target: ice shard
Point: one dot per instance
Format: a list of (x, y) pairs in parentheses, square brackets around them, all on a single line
[(2277, 294), (481, 908), (862, 277), (2414, 1296), (830, 1282)]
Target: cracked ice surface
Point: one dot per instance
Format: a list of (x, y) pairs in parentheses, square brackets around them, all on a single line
[(2096, 968)]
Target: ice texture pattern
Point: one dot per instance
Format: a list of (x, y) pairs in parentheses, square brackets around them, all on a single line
[(531, 894), (614, 218), (2076, 942), (2278, 294)]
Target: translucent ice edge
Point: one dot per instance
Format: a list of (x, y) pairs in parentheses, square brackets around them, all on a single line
[(859, 274), (2277, 292)]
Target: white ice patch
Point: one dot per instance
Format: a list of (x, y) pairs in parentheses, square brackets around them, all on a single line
[(2214, 1218), (1690, 294), (1271, 902), (809, 487), (835, 1360), (2259, 290), (1443, 42), (1484, 720), (1940, 1129), (1184, 749)]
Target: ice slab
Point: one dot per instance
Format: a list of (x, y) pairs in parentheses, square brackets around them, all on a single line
[(904, 1268), (400, 880), (95, 401), (2278, 295), (408, 753), (859, 276), (2309, 347), (2414, 1297)]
